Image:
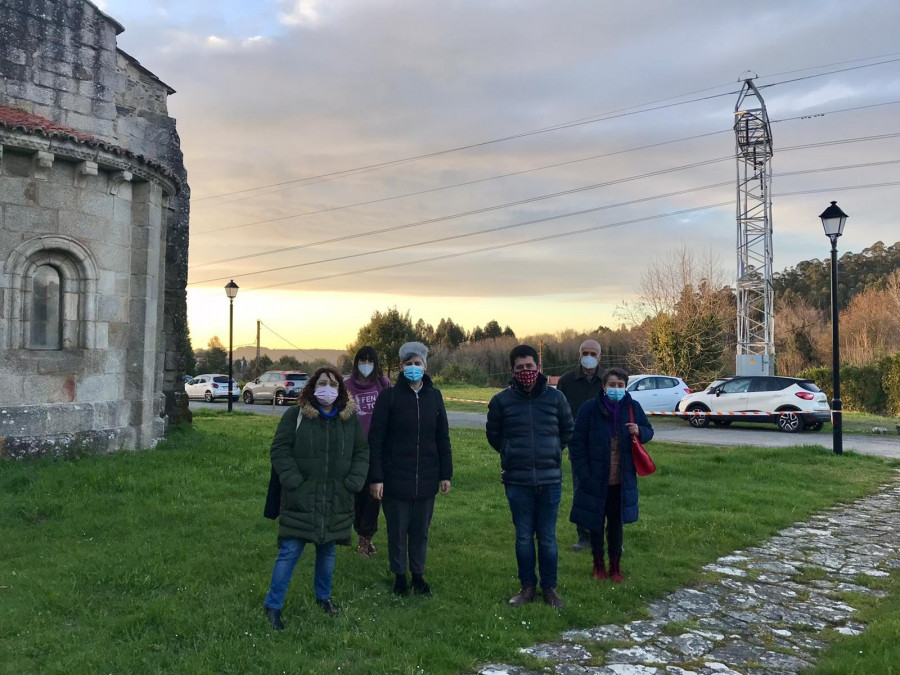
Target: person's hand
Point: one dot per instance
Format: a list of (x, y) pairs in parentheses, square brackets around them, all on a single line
[(445, 487), (376, 490), (633, 429)]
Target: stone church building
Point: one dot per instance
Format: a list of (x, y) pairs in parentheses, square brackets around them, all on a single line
[(94, 208)]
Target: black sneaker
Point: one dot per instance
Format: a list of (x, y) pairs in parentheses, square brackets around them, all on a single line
[(400, 585), (274, 617), (329, 607), (420, 586)]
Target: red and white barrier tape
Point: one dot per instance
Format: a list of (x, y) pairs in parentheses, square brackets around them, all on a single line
[(465, 400)]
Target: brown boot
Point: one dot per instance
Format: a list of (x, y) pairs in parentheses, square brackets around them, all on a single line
[(365, 548), (551, 597), (372, 549), (599, 571), (523, 597), (615, 570)]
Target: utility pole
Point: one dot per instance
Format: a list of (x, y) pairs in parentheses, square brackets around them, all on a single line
[(541, 356), (258, 323)]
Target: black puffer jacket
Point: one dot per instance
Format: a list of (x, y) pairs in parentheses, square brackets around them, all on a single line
[(409, 441), (529, 429)]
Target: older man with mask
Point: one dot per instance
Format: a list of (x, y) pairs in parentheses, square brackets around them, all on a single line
[(579, 386)]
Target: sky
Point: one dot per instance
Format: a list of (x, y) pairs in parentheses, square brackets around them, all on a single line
[(306, 124)]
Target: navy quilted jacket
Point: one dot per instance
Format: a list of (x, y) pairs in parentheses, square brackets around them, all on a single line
[(589, 451)]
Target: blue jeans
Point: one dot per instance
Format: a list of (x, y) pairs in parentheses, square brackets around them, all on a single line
[(534, 511), (289, 551)]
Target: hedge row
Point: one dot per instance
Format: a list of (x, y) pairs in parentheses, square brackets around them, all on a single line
[(873, 388)]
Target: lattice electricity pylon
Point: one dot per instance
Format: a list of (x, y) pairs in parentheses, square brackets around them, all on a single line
[(755, 292)]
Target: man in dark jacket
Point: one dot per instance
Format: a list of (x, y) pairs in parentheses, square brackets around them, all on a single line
[(579, 386), (529, 423)]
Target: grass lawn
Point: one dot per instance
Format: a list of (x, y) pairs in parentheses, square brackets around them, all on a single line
[(158, 561), (457, 390)]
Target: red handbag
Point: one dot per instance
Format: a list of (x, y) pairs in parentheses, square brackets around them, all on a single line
[(643, 463)]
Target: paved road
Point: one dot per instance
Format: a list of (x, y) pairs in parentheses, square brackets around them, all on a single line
[(763, 435)]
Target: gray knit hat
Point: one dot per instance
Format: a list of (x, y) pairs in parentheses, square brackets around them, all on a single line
[(410, 349)]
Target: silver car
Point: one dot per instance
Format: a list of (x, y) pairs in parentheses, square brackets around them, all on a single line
[(279, 386)]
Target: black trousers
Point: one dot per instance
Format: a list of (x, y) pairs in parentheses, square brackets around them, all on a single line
[(407, 522), (365, 522), (613, 518)]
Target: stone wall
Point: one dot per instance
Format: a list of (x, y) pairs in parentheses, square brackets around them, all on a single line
[(59, 60)]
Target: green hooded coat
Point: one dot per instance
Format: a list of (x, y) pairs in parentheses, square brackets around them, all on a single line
[(320, 464)]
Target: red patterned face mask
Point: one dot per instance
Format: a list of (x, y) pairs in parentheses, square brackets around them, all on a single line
[(526, 378)]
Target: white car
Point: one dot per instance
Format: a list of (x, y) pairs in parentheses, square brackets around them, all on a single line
[(210, 387), (657, 393), (792, 403)]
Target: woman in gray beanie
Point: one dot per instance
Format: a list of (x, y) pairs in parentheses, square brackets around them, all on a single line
[(410, 461)]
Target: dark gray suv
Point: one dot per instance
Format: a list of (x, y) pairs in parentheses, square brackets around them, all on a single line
[(279, 386)]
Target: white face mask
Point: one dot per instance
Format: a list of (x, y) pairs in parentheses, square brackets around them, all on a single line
[(589, 362), (365, 369)]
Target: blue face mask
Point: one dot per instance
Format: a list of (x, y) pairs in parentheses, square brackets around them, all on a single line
[(615, 395), (413, 373)]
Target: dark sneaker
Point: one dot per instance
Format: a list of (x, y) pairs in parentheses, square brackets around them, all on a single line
[(328, 606), (581, 545), (365, 548), (420, 586), (274, 617), (551, 597), (524, 596), (400, 585)]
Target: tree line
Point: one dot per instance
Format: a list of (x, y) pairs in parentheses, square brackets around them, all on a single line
[(681, 322)]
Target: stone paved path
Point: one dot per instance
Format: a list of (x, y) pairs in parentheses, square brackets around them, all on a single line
[(763, 616)]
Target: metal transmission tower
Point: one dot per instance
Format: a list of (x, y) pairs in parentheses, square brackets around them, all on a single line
[(755, 293)]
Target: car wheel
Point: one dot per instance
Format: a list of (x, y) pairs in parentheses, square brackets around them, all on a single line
[(790, 422), (248, 397), (279, 398), (722, 423), (208, 397), (698, 421), (815, 426)]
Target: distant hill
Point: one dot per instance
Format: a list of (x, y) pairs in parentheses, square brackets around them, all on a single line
[(330, 355)]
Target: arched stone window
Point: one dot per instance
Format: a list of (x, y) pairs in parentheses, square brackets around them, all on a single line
[(46, 309), (51, 296)]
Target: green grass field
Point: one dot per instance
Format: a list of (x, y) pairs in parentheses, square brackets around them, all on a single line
[(158, 561)]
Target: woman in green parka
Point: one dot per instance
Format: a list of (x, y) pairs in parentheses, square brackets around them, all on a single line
[(321, 458)]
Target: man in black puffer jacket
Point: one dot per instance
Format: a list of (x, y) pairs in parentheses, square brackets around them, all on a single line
[(529, 424)]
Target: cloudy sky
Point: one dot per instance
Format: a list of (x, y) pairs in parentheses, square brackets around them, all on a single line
[(293, 115)]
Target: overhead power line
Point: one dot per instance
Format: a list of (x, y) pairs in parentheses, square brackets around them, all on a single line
[(564, 125), (496, 207), (515, 173), (501, 228), (559, 235), (281, 337)]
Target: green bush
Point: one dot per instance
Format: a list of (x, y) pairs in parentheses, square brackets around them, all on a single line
[(861, 389), (865, 388), (890, 381)]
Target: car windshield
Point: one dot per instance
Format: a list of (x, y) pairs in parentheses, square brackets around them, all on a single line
[(221, 379), (297, 376), (809, 386), (714, 384)]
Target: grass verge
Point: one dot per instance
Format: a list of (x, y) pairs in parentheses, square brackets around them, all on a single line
[(158, 561)]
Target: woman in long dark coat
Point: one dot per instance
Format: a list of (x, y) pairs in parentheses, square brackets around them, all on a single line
[(600, 451), (321, 458), (411, 461)]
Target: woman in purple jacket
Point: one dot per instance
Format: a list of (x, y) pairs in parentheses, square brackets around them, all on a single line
[(365, 383)]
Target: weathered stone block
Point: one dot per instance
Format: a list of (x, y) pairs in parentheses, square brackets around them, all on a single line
[(29, 219)]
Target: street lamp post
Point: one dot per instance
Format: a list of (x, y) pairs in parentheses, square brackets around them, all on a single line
[(833, 220), (231, 290)]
